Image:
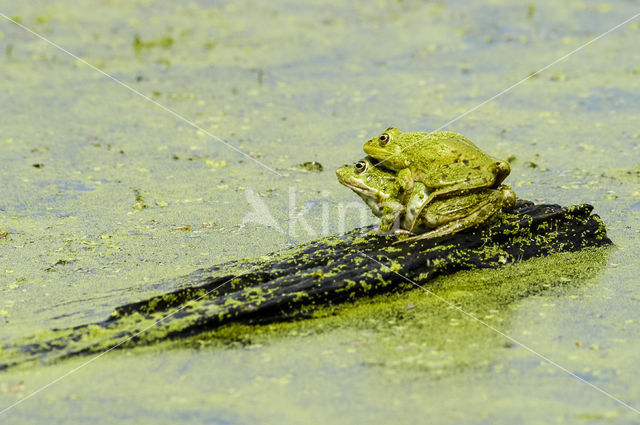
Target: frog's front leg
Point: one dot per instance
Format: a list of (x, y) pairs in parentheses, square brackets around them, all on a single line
[(405, 178), (414, 205), (391, 212)]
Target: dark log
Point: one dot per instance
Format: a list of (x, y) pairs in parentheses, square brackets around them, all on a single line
[(293, 283)]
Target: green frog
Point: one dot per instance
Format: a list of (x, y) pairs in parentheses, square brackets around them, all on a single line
[(380, 190), (447, 163), (383, 193)]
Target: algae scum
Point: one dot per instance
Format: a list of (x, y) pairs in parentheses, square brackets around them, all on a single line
[(109, 201), (323, 273)]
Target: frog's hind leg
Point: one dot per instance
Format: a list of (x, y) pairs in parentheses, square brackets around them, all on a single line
[(484, 211), (491, 179), (436, 195)]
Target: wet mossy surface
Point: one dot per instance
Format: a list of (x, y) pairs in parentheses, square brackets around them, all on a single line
[(298, 283)]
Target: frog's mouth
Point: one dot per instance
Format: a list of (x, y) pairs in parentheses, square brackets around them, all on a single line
[(363, 190), (379, 153), (372, 160)]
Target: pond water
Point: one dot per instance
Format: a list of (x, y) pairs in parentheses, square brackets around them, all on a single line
[(100, 186)]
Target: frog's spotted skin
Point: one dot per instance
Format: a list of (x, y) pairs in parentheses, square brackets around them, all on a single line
[(447, 163), (381, 191)]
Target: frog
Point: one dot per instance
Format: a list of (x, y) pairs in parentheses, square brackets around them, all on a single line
[(380, 190), (383, 193), (447, 163), (454, 214)]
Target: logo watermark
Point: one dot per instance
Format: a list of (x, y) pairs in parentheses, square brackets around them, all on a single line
[(334, 217)]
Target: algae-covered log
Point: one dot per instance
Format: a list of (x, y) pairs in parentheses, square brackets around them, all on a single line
[(293, 283)]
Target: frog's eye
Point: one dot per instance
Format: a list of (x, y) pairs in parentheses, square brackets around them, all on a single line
[(360, 167), (384, 139)]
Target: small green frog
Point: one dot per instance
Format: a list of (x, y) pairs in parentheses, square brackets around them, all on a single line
[(447, 163), (382, 192)]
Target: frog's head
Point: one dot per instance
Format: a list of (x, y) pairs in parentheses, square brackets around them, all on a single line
[(388, 147), (372, 184)]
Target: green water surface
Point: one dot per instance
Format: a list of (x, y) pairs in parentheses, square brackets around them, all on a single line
[(99, 186)]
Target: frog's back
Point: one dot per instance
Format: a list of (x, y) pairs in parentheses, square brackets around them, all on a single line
[(452, 138)]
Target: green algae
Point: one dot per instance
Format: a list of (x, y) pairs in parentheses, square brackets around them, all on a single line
[(164, 42), (311, 166), (485, 294), (425, 320), (387, 342), (338, 74), (262, 294)]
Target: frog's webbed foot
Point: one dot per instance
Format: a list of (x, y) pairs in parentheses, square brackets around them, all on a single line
[(394, 231), (441, 231), (393, 228)]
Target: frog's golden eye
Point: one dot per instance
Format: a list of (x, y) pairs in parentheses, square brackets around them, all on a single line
[(360, 167), (384, 139)]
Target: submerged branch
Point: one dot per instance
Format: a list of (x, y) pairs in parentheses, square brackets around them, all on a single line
[(295, 283)]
